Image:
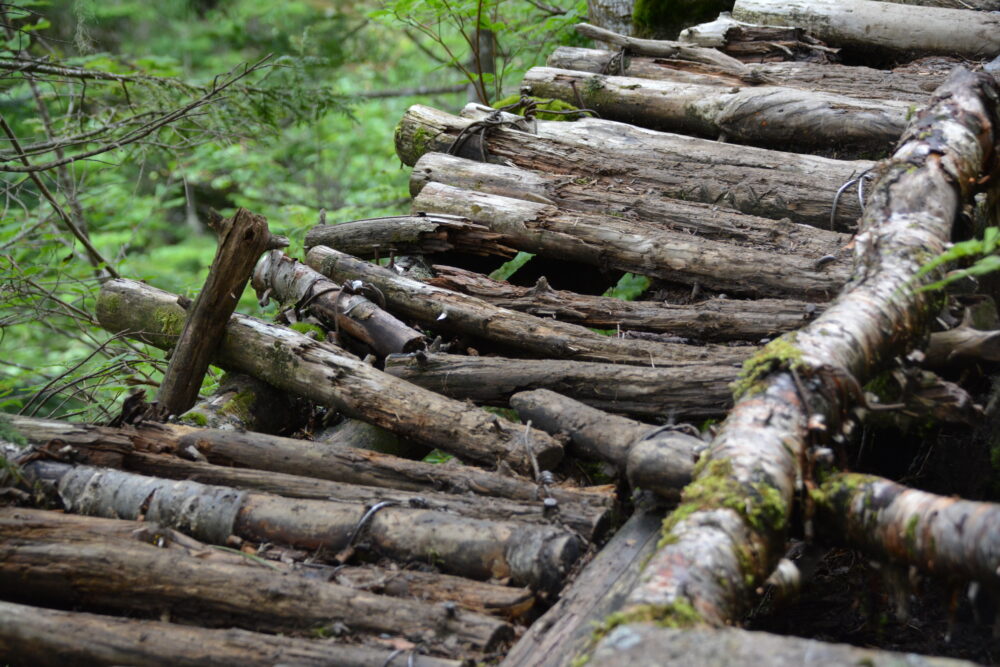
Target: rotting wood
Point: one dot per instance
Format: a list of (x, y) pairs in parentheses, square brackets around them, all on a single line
[(642, 247), (729, 531), (771, 184), (772, 116), (293, 362), (652, 393), (757, 43), (443, 310), (962, 345), (244, 402)]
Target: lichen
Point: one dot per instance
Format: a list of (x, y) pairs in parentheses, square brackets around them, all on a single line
[(780, 354)]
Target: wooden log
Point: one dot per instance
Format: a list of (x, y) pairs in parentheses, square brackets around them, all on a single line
[(883, 26), (730, 529), (51, 638), (356, 433), (320, 372), (242, 240), (981, 5), (62, 563), (762, 116), (715, 320), (449, 311), (757, 43), (642, 247), (651, 393), (244, 402), (753, 180)]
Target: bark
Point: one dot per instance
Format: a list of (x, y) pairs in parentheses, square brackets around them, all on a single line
[(735, 513), (57, 562), (50, 638), (883, 26), (715, 320), (615, 15), (356, 433), (757, 43), (244, 402), (452, 312), (322, 373), (291, 282), (654, 393), (642, 247), (242, 240), (753, 180), (772, 116)]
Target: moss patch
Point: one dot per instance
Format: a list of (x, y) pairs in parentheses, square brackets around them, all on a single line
[(311, 330), (542, 105), (781, 353)]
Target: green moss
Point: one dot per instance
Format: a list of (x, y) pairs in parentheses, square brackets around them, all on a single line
[(306, 328), (196, 418), (110, 302), (911, 533), (781, 353), (169, 320), (542, 105), (240, 406)]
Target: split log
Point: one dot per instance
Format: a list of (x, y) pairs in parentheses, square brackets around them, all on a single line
[(730, 529), (449, 311), (51, 638), (619, 200), (715, 320), (762, 116), (897, 29), (642, 247), (652, 393), (753, 180), (62, 563), (321, 372)]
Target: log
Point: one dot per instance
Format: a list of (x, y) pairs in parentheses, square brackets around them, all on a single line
[(757, 43), (896, 29), (753, 180), (772, 116), (61, 563), (656, 393), (642, 247), (356, 433), (320, 372), (244, 402), (730, 529), (452, 312), (51, 638), (714, 320), (981, 5)]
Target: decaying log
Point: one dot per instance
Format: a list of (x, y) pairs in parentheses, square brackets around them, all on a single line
[(658, 459), (866, 25), (653, 393), (51, 638), (753, 180), (64, 563), (730, 529), (319, 371), (713, 320), (244, 402), (641, 246), (763, 115), (620, 200), (443, 310), (356, 433), (242, 239), (294, 284)]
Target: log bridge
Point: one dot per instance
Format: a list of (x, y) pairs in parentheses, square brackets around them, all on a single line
[(627, 481)]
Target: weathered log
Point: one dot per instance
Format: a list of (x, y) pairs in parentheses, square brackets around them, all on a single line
[(653, 393), (867, 26), (294, 284), (319, 371), (356, 433), (449, 311), (714, 320), (51, 638), (63, 563), (729, 531), (620, 200), (242, 240), (763, 115), (753, 180), (757, 43), (642, 246), (244, 402), (961, 345)]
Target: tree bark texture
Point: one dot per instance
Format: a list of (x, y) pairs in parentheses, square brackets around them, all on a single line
[(773, 116), (641, 246), (753, 180), (730, 534), (244, 402), (615, 15), (321, 372)]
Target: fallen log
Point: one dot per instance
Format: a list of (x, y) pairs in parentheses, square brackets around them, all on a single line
[(641, 246), (244, 402), (51, 638), (652, 393), (452, 312), (762, 116), (356, 433), (715, 320), (900, 30), (753, 180), (757, 43), (320, 372)]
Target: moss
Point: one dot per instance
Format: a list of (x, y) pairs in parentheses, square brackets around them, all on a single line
[(196, 418), (781, 353), (543, 105), (169, 320), (911, 533), (110, 302), (306, 328), (240, 406)]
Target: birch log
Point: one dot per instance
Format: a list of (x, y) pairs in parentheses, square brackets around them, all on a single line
[(729, 531)]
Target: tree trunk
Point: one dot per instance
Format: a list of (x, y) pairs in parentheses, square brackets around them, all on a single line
[(615, 15)]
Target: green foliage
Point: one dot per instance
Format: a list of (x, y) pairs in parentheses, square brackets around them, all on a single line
[(665, 19), (985, 249)]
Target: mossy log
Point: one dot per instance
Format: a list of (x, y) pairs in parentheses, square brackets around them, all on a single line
[(244, 402)]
